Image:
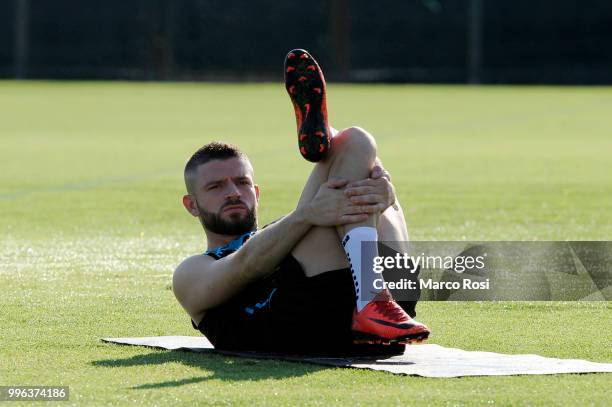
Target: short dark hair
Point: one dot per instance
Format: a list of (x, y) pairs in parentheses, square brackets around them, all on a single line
[(216, 150)]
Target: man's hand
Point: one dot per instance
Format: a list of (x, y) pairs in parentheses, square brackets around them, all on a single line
[(375, 191), (331, 207)]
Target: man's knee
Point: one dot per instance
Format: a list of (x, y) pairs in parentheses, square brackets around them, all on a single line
[(354, 141)]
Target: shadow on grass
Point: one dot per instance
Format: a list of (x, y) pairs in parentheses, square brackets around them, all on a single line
[(216, 367)]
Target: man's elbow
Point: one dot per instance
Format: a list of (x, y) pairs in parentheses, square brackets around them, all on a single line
[(178, 286)]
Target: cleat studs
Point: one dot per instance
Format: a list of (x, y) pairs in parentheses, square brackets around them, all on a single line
[(290, 55), (320, 134), (318, 90), (290, 68), (310, 68), (302, 137), (291, 88), (307, 106), (301, 78), (304, 56), (303, 150), (321, 148)]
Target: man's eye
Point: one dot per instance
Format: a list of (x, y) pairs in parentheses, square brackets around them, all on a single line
[(213, 187), (245, 182)]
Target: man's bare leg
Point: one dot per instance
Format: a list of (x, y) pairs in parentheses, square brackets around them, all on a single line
[(356, 163), (353, 156), (320, 250)]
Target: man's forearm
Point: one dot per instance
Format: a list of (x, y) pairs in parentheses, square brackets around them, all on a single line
[(266, 249)]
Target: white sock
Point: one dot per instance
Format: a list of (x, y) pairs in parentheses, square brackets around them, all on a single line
[(363, 279)]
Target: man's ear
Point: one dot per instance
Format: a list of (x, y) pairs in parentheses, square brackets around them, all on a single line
[(190, 204), (257, 192)]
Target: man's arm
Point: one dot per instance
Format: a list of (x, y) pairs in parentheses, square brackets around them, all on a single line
[(201, 282)]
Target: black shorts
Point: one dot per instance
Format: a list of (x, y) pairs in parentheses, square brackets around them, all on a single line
[(288, 312)]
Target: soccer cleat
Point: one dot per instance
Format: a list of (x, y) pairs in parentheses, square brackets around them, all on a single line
[(383, 321), (306, 87)]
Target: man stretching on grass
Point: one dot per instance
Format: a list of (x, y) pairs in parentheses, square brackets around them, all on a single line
[(297, 285)]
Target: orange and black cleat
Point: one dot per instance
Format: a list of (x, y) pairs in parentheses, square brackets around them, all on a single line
[(306, 87), (383, 321)]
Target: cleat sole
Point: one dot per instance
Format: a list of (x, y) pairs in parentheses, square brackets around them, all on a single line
[(362, 337), (305, 84)]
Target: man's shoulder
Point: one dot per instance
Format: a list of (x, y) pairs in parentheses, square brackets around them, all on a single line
[(191, 265), (196, 259)]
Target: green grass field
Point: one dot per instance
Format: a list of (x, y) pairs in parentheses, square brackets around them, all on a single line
[(92, 228)]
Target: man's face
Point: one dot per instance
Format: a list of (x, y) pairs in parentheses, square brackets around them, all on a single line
[(226, 196)]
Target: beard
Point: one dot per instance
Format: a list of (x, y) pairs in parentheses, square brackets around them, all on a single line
[(236, 225)]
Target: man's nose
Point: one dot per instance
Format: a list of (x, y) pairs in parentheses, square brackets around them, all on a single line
[(232, 191)]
